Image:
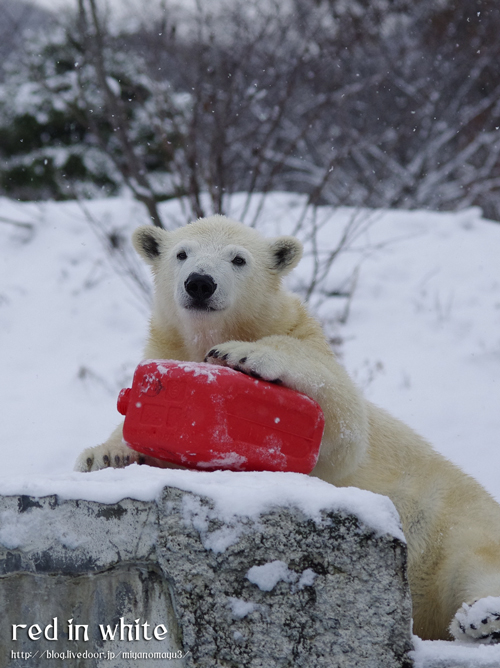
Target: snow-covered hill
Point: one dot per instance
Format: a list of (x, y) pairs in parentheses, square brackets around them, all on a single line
[(422, 334)]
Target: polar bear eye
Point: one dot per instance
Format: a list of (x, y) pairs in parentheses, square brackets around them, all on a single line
[(238, 261), (182, 255)]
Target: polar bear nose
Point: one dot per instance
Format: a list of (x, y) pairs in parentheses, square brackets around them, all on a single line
[(200, 286)]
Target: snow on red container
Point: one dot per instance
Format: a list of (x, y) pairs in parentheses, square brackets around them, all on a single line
[(211, 417)]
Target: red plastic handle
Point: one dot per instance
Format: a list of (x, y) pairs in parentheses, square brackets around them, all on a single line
[(123, 400)]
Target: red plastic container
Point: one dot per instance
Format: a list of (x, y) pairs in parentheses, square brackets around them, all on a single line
[(211, 417)]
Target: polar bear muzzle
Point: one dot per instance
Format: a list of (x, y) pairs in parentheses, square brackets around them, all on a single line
[(200, 287)]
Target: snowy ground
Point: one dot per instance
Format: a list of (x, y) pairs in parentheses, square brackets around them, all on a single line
[(422, 335)]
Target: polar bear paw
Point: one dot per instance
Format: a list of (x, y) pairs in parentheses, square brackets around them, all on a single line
[(478, 622), (107, 455), (250, 358)]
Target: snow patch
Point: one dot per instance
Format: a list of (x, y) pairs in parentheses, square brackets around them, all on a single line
[(443, 654), (267, 576), (230, 459), (307, 578), (199, 369), (233, 494), (241, 608)]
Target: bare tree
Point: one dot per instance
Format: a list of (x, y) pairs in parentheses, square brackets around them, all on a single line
[(247, 70), (423, 129), (366, 104), (91, 37)]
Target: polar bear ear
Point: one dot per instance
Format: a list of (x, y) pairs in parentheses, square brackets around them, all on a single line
[(285, 254), (149, 242)]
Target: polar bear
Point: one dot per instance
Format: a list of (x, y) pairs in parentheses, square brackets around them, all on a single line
[(219, 298)]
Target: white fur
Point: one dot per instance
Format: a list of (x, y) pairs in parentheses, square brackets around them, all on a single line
[(251, 323)]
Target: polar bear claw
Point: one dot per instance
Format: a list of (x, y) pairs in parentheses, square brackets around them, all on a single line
[(107, 455)]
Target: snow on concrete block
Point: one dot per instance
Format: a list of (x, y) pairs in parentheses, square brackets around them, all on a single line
[(179, 578)]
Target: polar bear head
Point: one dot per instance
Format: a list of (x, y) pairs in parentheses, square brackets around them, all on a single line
[(215, 268)]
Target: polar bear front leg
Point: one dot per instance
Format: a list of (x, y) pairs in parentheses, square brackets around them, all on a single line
[(290, 362), (307, 369), (478, 622)]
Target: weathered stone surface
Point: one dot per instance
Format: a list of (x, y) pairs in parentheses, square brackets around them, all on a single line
[(331, 593)]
